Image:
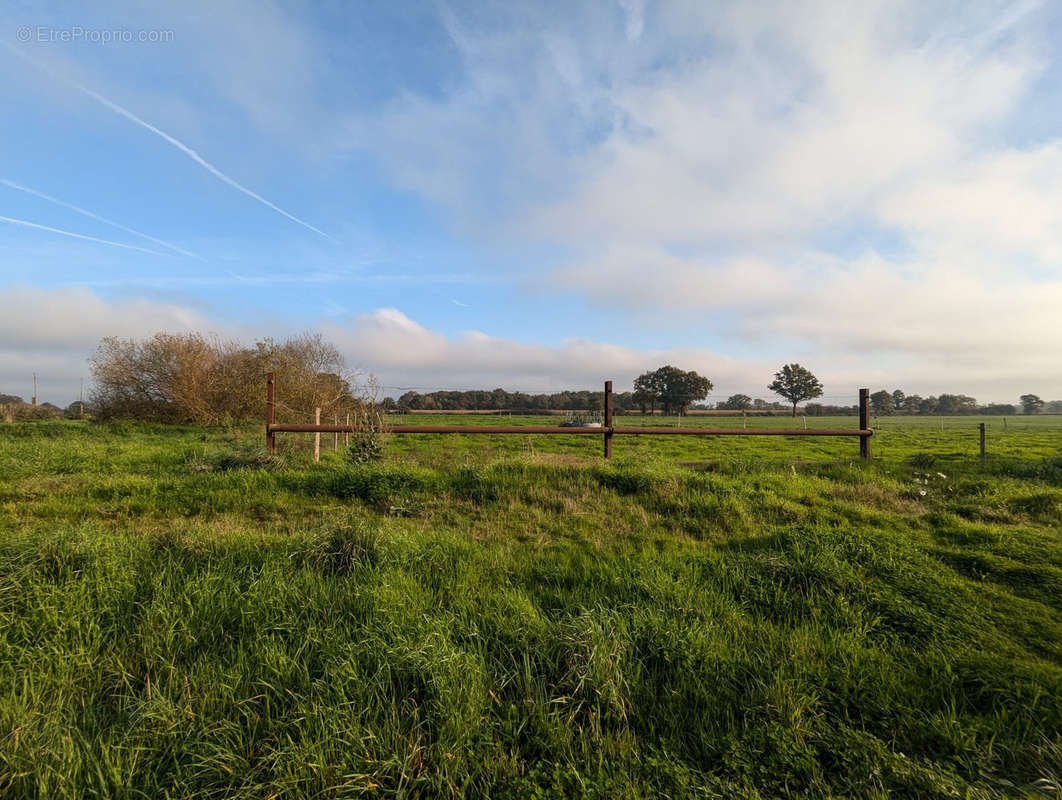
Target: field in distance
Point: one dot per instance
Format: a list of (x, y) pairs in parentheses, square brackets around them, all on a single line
[(896, 439), (184, 615)]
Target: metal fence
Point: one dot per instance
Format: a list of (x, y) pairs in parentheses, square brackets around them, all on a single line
[(606, 430)]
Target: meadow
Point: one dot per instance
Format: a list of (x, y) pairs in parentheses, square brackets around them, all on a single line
[(185, 615)]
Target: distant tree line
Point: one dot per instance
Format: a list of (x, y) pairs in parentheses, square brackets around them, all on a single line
[(884, 402), (502, 400), (192, 378), (668, 388)]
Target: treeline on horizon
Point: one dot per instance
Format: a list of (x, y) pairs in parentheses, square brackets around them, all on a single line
[(192, 378), (514, 402)]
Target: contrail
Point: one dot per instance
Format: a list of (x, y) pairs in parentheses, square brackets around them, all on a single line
[(27, 224), (188, 151), (97, 217)]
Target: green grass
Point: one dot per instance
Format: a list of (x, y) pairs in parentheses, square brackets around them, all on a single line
[(182, 616)]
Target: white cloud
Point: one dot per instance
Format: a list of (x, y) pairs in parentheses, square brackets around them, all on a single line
[(47, 319), (639, 276), (808, 115), (944, 316), (723, 152), (1007, 203), (404, 353), (688, 157), (54, 332)]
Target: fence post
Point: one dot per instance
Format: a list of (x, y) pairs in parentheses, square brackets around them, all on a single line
[(271, 411), (864, 423), (608, 419), (983, 456), (317, 436)]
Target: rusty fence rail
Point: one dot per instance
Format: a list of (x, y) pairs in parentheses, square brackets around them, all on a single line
[(606, 430)]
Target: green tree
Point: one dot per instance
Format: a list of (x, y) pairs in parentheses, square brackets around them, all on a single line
[(795, 383), (675, 389), (898, 398), (881, 402), (1031, 404), (956, 404), (736, 402), (645, 395)]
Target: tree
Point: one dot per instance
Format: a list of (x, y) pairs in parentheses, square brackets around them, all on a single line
[(898, 398), (795, 383), (1031, 404), (956, 404), (188, 377), (644, 392), (881, 402), (1000, 408), (670, 386), (736, 402), (912, 404), (677, 388)]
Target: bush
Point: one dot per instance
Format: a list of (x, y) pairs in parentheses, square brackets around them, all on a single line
[(366, 447), (367, 443)]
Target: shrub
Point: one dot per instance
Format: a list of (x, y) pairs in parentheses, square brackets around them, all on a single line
[(366, 447), (367, 443)]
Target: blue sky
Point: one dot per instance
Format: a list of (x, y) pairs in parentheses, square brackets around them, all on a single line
[(542, 195)]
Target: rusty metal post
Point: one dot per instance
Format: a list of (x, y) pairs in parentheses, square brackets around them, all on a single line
[(983, 454), (608, 419), (271, 411), (864, 423)]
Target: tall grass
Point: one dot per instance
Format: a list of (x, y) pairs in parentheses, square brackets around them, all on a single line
[(181, 618)]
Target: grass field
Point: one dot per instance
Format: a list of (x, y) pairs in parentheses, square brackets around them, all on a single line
[(509, 616)]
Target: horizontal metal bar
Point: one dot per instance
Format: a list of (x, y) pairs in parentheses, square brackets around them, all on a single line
[(741, 432), (544, 429), (438, 429)]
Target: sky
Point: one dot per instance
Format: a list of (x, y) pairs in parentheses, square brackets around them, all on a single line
[(542, 195)]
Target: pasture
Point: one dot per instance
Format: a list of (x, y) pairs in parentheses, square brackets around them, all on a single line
[(182, 615)]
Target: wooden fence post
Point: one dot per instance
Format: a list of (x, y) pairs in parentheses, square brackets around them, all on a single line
[(864, 423), (317, 436), (608, 419), (271, 411), (983, 455)]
